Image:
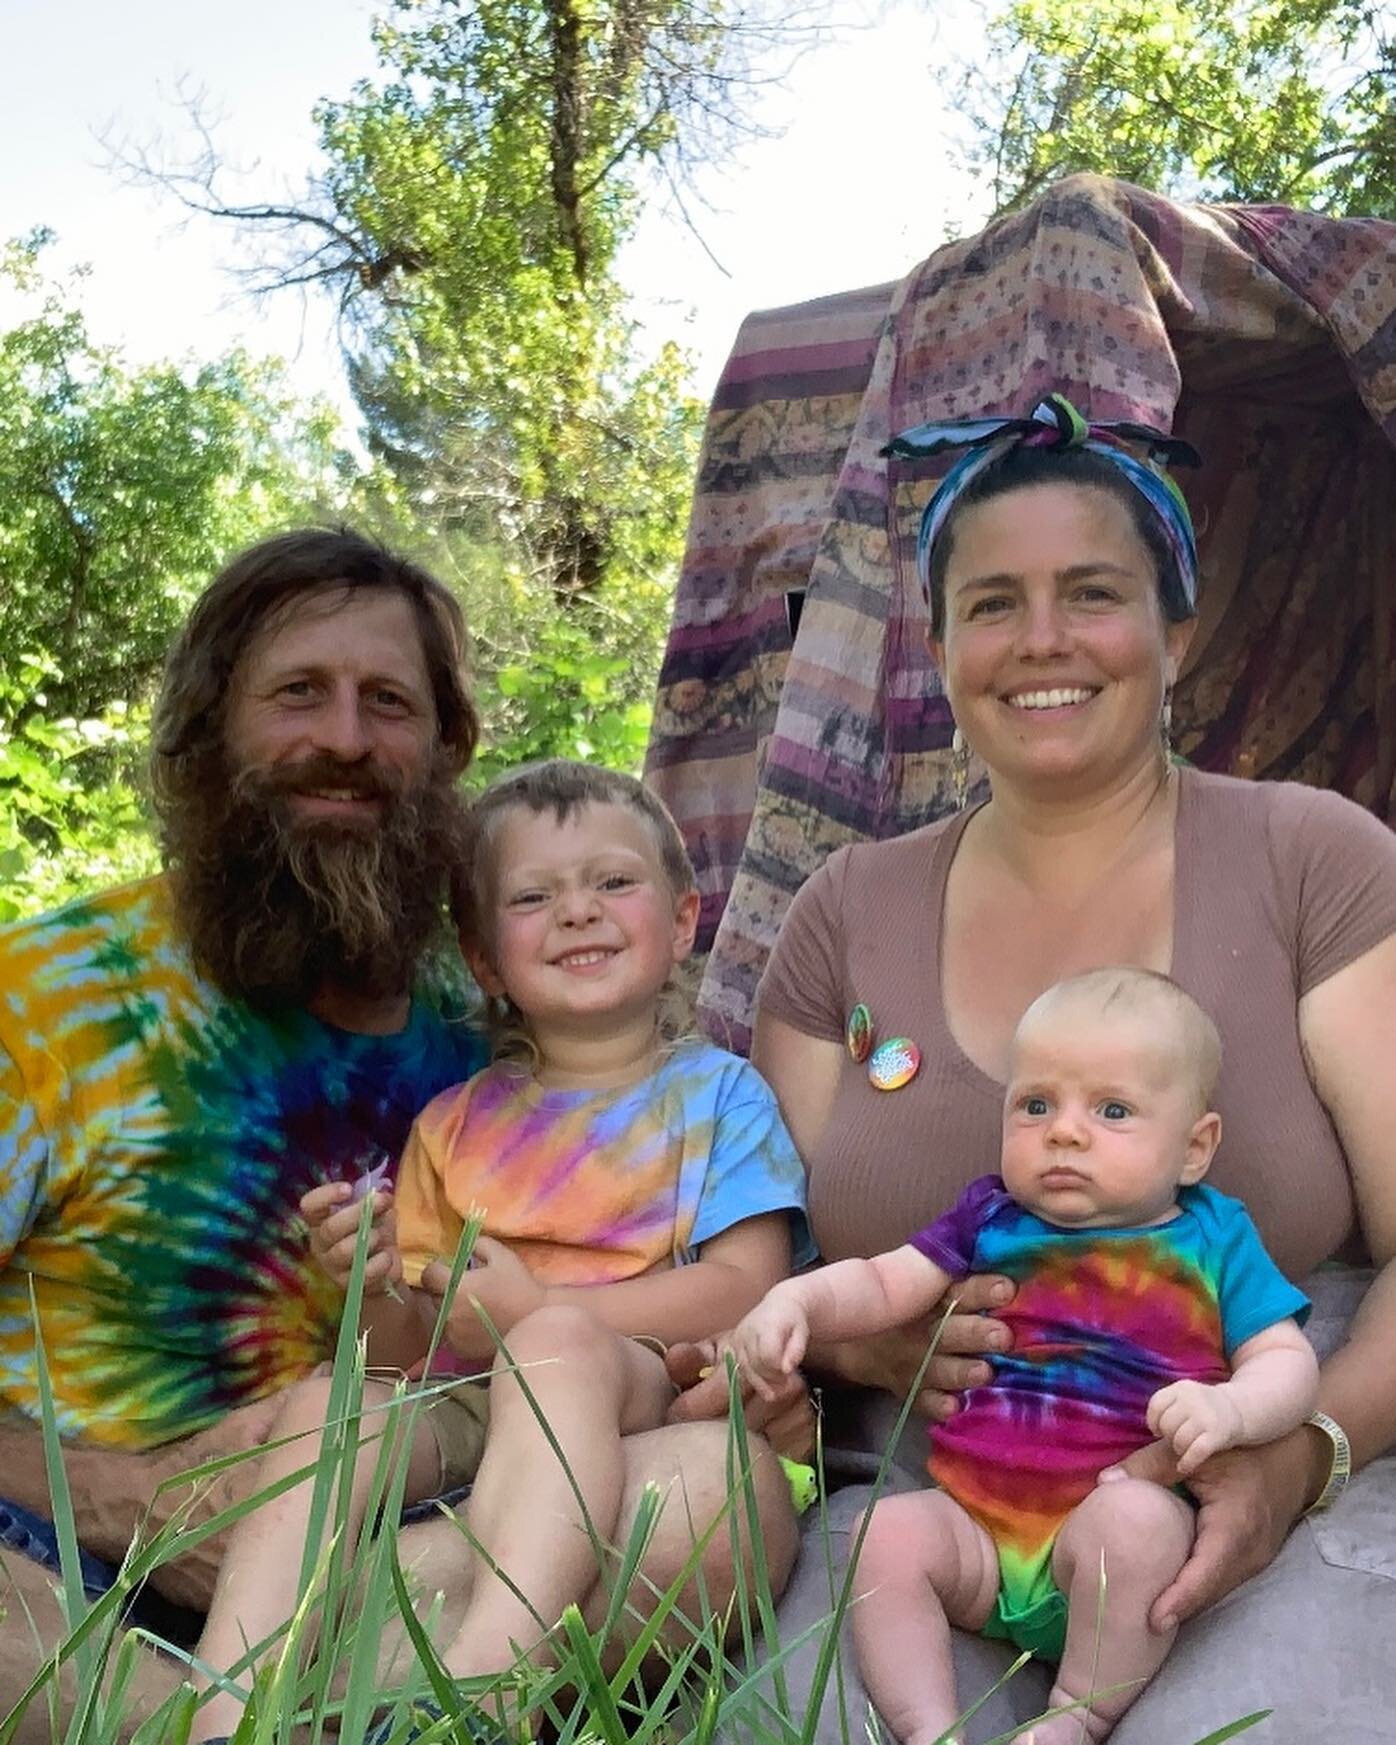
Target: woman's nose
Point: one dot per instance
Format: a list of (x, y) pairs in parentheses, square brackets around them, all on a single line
[(1042, 629)]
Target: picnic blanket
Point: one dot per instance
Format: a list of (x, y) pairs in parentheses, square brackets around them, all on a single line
[(1265, 336)]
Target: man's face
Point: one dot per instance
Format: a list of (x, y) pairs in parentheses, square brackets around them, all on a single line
[(311, 853), (332, 703)]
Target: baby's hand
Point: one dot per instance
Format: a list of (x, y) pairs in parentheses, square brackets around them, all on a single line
[(769, 1342), (332, 1212), (1198, 1421)]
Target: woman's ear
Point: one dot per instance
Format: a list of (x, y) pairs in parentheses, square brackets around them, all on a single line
[(685, 924), (486, 976), (1177, 640), (936, 648)]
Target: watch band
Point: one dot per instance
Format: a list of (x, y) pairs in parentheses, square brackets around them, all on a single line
[(1341, 1470)]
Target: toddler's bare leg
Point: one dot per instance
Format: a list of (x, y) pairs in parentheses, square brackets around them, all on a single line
[(1144, 1534), (256, 1591), (925, 1565), (593, 1388)]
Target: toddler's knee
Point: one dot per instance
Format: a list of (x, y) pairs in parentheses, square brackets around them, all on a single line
[(561, 1332)]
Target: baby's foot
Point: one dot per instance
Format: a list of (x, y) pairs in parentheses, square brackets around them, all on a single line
[(1076, 1727)]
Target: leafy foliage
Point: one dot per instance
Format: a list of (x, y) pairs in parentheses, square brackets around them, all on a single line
[(122, 490), (1263, 100)]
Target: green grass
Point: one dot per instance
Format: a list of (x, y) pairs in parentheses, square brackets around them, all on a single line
[(321, 1678)]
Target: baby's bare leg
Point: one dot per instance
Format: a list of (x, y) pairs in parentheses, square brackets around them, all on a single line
[(1143, 1534), (257, 1585), (925, 1565)]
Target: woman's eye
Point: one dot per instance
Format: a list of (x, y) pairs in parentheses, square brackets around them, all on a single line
[(989, 606), (1097, 596), (1113, 1111)]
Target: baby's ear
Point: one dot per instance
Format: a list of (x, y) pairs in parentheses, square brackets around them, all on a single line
[(1201, 1148), (685, 924)]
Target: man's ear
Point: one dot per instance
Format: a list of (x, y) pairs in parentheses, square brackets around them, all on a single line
[(482, 969), (1201, 1148), (685, 924)]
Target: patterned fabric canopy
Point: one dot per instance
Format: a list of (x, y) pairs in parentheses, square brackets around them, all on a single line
[(1267, 337)]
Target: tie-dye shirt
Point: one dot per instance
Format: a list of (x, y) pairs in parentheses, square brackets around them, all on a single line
[(1101, 1320), (155, 1139), (591, 1187)]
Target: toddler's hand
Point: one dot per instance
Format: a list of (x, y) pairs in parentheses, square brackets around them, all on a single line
[(332, 1213), (770, 1341), (1196, 1420)]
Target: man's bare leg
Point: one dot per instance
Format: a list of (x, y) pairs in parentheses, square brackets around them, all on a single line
[(925, 1565), (31, 1627)]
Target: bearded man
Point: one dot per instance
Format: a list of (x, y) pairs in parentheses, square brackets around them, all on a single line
[(180, 1060)]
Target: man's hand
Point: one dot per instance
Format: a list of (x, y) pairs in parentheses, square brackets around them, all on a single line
[(333, 1216), (786, 1420), (1196, 1421), (770, 1341), (499, 1282), (892, 1360), (1248, 1500)]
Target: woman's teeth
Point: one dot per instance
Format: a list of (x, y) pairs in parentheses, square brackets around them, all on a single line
[(1048, 699)]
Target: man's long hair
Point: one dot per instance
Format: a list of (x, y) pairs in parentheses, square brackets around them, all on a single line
[(274, 907)]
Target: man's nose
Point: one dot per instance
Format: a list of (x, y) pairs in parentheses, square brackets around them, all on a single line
[(339, 726)]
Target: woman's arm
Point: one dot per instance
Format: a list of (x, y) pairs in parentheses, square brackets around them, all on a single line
[(804, 1072)]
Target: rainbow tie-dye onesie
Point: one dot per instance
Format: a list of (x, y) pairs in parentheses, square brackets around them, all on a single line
[(1101, 1319)]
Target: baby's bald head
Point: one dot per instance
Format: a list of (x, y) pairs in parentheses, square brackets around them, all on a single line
[(1171, 1025)]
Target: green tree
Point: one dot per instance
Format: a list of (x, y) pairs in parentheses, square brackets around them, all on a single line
[(122, 489), (1259, 100)]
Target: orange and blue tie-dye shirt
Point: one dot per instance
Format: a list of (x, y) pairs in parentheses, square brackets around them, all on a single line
[(155, 1139), (592, 1187), (1101, 1319)]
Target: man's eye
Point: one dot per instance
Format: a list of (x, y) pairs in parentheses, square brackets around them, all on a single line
[(390, 699), (294, 688), (1113, 1111)]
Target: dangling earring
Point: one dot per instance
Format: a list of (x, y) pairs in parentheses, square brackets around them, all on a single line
[(1165, 725), (959, 769)]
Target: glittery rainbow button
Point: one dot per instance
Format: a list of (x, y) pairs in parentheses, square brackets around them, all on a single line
[(859, 1033), (894, 1063)]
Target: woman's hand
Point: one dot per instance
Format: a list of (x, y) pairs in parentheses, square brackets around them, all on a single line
[(1248, 1501), (786, 1420), (891, 1361)]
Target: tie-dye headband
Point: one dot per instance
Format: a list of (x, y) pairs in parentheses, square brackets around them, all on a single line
[(1055, 423)]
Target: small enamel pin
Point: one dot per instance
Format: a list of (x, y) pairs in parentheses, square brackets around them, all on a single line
[(894, 1063), (859, 1033)]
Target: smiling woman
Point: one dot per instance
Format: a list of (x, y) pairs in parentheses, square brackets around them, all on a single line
[(1060, 575)]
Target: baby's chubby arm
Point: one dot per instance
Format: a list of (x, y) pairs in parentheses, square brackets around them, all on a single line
[(1272, 1390), (850, 1299)]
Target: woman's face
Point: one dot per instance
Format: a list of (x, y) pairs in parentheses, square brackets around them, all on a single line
[(1056, 655)]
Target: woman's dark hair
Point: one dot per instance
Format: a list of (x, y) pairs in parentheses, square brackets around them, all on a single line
[(249, 593), (1022, 467)]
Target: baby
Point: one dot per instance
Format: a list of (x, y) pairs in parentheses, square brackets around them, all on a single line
[(1145, 1308)]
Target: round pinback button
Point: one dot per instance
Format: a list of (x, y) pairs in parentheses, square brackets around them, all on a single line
[(894, 1063)]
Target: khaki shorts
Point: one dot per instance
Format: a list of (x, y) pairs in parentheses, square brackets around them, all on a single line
[(458, 1417)]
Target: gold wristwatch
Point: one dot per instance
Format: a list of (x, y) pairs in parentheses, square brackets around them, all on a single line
[(1340, 1471)]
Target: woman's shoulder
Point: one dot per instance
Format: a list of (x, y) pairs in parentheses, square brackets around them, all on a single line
[(889, 861), (1294, 820)]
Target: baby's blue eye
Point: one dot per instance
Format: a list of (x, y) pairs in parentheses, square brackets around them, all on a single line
[(1115, 1111)]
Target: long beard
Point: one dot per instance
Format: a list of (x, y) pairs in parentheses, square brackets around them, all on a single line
[(277, 907)]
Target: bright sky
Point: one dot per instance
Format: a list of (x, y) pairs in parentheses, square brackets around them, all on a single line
[(856, 188)]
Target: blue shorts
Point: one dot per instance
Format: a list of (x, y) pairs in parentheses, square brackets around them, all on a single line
[(35, 1537)]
